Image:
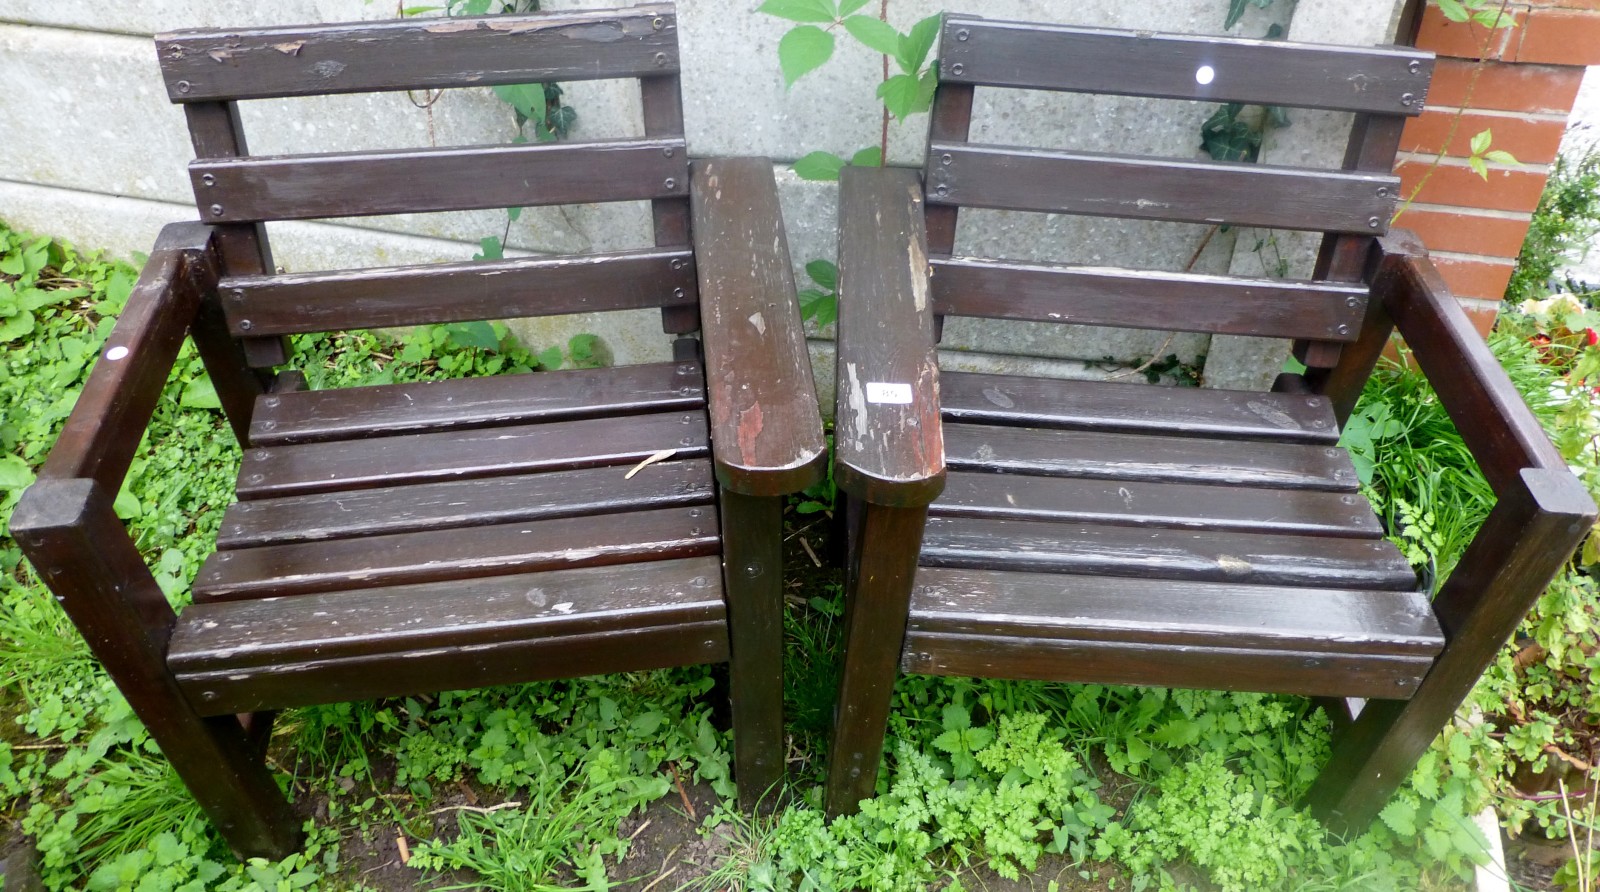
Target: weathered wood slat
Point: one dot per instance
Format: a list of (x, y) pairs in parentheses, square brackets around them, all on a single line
[(1142, 504), (1137, 408), (454, 668), (1001, 289), (463, 503), (1391, 80), (1175, 613), (455, 455), (416, 54), (391, 297), (1240, 194), (263, 632), (1155, 553), (361, 184), (1116, 456), (500, 549), (1228, 669), (766, 433), (352, 412), (888, 444)]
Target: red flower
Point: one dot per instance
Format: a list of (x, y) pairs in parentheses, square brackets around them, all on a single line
[(1590, 336)]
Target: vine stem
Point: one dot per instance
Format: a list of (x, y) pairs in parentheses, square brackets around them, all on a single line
[(883, 145), (1455, 120)]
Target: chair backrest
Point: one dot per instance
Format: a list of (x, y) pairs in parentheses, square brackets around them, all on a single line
[(1382, 86), (209, 72)]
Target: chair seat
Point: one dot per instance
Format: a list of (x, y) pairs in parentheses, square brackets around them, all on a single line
[(1126, 536), (383, 556)]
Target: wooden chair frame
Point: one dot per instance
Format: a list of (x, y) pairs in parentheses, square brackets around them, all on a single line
[(720, 266), (898, 276)]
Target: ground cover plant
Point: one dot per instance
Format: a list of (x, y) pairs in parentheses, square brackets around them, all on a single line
[(623, 781)]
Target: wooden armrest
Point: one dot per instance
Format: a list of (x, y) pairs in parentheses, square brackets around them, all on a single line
[(766, 431), (888, 443), (106, 424), (1498, 427)]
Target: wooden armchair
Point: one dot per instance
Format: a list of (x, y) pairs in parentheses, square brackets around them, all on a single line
[(1016, 527), (406, 538)]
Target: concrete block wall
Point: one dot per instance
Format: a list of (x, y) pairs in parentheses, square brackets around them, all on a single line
[(1524, 93), (101, 159)]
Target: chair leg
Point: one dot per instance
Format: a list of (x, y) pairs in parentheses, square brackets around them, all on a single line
[(882, 565), (752, 567), (69, 533)]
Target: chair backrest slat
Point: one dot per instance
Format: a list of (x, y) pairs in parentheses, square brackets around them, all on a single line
[(1039, 292), (1169, 66), (416, 54), (300, 187), (458, 292), (1159, 189)]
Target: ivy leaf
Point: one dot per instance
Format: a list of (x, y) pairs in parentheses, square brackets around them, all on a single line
[(527, 99), (803, 50), (800, 10), (905, 95), (871, 156), (490, 249), (914, 47), (824, 273), (876, 34), (1401, 816), (819, 166)]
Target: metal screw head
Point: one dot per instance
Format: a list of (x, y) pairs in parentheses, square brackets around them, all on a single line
[(1406, 99), (183, 86), (945, 158), (963, 34), (244, 325), (237, 294), (208, 179), (677, 263), (957, 68), (1352, 302), (678, 293), (667, 151), (671, 183), (942, 190), (1343, 329), (661, 59), (1383, 191), (1374, 222), (216, 210), (270, 402), (1413, 66), (657, 23)]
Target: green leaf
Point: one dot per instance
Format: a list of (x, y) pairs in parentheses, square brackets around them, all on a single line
[(876, 34), (847, 7), (871, 156), (803, 50), (13, 327), (11, 265), (1453, 10), (549, 359), (513, 214), (1501, 156), (1401, 817), (1494, 19), (905, 95), (824, 273), (527, 99), (15, 473), (473, 334), (914, 47), (200, 394), (1236, 9), (418, 10), (956, 718), (1478, 167), (1480, 142), (491, 249), (800, 10), (819, 166), (1138, 750)]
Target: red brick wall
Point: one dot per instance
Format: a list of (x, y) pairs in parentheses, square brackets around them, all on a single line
[(1523, 95)]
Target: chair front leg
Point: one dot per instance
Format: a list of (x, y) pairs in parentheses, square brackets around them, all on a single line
[(752, 568)]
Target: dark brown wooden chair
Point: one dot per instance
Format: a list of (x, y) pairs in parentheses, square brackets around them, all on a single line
[(407, 538), (1128, 534)]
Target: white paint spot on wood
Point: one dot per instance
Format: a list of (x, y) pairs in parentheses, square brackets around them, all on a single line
[(116, 353)]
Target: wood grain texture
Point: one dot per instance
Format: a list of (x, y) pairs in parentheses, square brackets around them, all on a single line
[(661, 105), (416, 54), (399, 181), (111, 414), (1229, 669), (221, 637), (273, 571), (766, 429), (316, 681), (458, 455), (1000, 289), (1233, 193), (1142, 504), (1141, 63), (70, 534), (392, 297), (1118, 456), (888, 445), (1496, 424), (1158, 553), (460, 403), (752, 530), (1138, 408), (455, 504), (1174, 613)]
